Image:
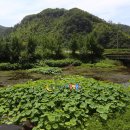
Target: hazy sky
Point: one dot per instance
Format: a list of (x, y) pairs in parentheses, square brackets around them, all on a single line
[(13, 11)]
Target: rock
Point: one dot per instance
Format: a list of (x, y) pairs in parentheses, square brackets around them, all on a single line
[(2, 84), (27, 125), (11, 127)]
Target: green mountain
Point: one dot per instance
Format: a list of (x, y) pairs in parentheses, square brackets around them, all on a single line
[(68, 22), (124, 28), (56, 20), (51, 32), (4, 30)]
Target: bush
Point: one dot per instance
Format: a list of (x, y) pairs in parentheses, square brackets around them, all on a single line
[(46, 70), (15, 66), (47, 54), (27, 65), (40, 64), (9, 66), (63, 63)]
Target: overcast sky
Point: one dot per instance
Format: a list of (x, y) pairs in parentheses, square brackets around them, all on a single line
[(13, 11)]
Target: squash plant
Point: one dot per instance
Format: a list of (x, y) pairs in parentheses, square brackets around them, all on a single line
[(61, 108)]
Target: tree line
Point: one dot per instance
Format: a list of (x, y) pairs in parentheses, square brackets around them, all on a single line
[(84, 47), (59, 33)]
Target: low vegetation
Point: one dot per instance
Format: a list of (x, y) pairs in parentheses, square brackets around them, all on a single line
[(117, 51), (108, 63), (46, 70), (41, 66), (105, 65), (63, 63), (50, 104), (16, 66)]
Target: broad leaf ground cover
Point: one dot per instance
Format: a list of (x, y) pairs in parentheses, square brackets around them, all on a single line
[(50, 104)]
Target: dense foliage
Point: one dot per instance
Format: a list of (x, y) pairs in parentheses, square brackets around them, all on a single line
[(63, 63), (54, 32), (16, 66), (9, 66), (50, 104)]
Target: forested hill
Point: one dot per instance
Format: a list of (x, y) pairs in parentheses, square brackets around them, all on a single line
[(68, 22), (124, 28), (52, 31), (4, 30), (57, 20)]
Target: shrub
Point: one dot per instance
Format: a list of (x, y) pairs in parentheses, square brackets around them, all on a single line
[(47, 54), (63, 63), (9, 66), (40, 64), (27, 65), (46, 70), (15, 66)]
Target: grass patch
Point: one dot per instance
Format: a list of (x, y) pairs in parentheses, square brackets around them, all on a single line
[(108, 63)]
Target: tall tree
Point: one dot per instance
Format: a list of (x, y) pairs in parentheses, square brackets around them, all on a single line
[(16, 49), (91, 48), (31, 47), (55, 44), (74, 43), (5, 49)]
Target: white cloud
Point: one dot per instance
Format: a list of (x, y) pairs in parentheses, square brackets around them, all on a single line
[(12, 11)]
